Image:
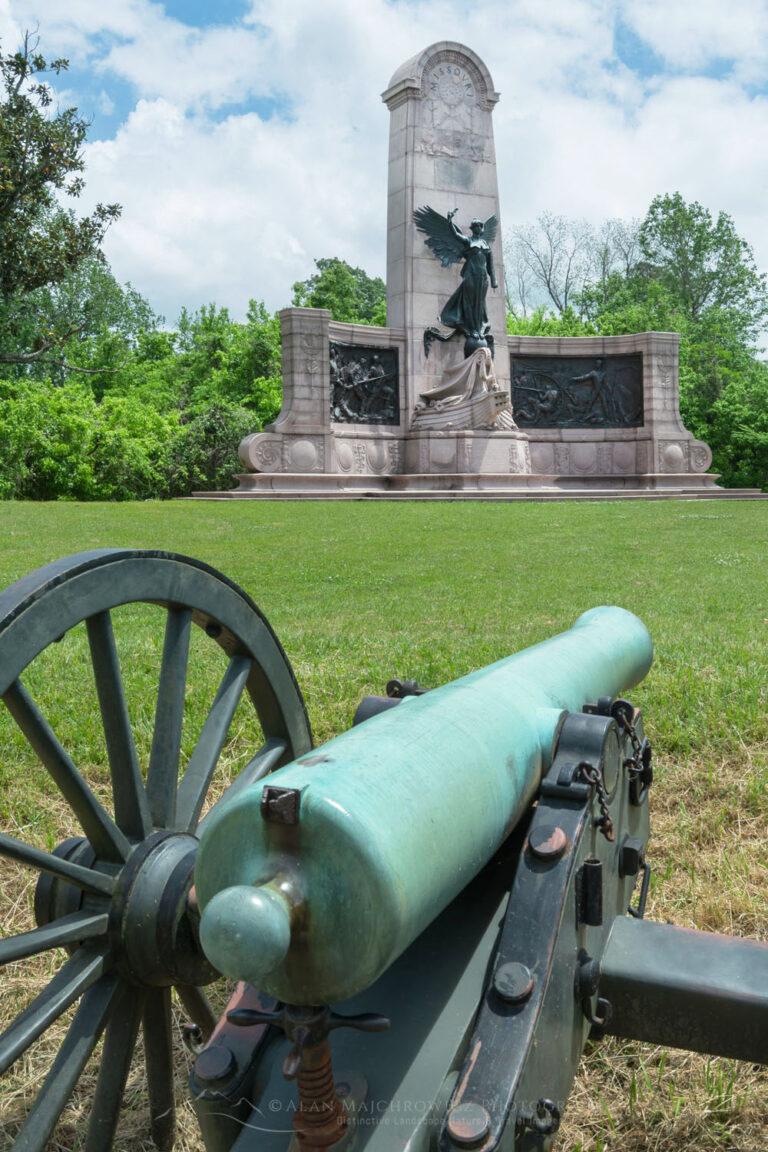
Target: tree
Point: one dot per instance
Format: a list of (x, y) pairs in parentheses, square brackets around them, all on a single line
[(108, 323), (703, 262), (41, 243), (222, 361), (350, 293), (552, 262)]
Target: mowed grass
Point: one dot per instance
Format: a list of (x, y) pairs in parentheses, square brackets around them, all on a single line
[(358, 593)]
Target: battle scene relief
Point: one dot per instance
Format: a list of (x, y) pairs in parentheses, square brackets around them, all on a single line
[(364, 384), (577, 391)]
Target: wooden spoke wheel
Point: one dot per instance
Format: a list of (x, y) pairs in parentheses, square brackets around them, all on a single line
[(117, 895)]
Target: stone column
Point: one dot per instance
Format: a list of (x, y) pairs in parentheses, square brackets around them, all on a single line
[(441, 154), (299, 439), (306, 371)]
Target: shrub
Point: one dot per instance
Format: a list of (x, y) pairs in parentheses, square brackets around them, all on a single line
[(203, 452)]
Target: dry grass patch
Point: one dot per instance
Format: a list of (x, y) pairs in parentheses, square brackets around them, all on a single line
[(709, 847)]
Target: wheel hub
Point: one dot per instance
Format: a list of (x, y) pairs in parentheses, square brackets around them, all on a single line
[(153, 922), (55, 898)]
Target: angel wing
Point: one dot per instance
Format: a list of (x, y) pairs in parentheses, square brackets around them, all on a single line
[(489, 231), (441, 237)]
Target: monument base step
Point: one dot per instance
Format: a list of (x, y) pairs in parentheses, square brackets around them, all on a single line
[(476, 486)]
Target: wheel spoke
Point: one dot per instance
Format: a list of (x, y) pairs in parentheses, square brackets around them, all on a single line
[(159, 1055), (84, 878), (68, 930), (268, 757), (72, 1057), (131, 808), (119, 1043), (164, 755), (198, 1007), (73, 978), (105, 837), (197, 778)]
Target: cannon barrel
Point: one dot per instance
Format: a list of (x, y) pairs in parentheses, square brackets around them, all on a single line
[(312, 893)]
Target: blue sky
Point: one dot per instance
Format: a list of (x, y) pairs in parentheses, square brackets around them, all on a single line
[(244, 141)]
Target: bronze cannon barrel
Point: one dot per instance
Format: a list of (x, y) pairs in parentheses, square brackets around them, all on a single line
[(393, 818)]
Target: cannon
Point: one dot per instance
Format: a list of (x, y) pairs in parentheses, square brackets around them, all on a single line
[(422, 921)]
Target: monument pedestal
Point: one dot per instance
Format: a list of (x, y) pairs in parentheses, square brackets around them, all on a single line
[(477, 486), (467, 453)]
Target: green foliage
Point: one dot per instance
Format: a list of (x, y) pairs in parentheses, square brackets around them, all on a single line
[(544, 323), (64, 444), (349, 293), (202, 454), (40, 242), (219, 359), (108, 324), (704, 263), (736, 425), (58, 443)]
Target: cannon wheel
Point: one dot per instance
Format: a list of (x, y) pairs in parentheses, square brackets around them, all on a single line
[(120, 898)]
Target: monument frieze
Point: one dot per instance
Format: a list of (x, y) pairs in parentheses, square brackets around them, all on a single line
[(364, 384), (577, 391)]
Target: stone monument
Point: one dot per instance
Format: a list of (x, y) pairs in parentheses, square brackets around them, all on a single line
[(441, 402)]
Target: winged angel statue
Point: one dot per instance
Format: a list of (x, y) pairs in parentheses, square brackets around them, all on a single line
[(465, 311)]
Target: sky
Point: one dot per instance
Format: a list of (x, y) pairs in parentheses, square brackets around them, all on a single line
[(245, 139)]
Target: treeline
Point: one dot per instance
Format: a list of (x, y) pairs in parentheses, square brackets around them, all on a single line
[(129, 410), (98, 400), (126, 409)]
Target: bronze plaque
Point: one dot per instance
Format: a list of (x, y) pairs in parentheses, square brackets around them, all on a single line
[(577, 391), (364, 384)]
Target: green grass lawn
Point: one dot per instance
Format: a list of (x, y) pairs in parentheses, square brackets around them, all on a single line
[(358, 593)]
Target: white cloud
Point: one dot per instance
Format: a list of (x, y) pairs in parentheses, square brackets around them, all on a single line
[(691, 34), (226, 209)]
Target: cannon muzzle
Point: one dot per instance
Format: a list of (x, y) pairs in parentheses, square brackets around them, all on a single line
[(313, 881)]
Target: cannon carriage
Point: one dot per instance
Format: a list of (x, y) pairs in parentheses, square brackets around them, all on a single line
[(425, 918)]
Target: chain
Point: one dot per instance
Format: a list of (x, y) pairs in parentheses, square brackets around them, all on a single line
[(639, 764), (594, 777), (633, 762)]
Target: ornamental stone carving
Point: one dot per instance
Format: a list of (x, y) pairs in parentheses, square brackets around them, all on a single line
[(519, 457), (701, 456), (672, 458), (305, 455), (262, 452), (604, 459), (666, 368), (396, 456), (345, 457), (467, 397), (562, 459)]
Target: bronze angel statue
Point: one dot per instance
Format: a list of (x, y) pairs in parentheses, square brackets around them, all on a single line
[(465, 311)]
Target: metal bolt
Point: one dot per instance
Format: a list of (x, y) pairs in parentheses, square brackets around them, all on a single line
[(468, 1124), (213, 630), (214, 1063), (631, 856), (548, 842), (513, 982)]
